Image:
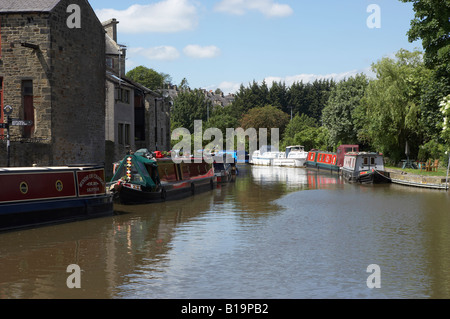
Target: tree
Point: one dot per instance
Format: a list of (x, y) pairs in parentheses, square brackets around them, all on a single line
[(338, 114), (389, 114), (148, 77), (431, 24), (189, 106), (265, 117), (304, 130)]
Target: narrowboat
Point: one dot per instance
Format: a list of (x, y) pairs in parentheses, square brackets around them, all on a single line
[(36, 196), (264, 156), (293, 156), (140, 179), (223, 172), (329, 160), (364, 167)]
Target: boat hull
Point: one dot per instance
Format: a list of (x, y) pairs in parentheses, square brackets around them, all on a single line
[(370, 177), (291, 162), (40, 196), (169, 191)]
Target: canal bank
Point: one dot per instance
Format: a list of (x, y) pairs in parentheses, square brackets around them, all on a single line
[(405, 178)]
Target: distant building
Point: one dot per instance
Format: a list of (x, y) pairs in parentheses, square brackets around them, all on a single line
[(219, 99), (136, 117), (52, 72)]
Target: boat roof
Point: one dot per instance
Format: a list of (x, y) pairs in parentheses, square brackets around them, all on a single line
[(47, 168), (361, 153)]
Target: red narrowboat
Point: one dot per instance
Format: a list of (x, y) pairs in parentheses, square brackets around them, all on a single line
[(329, 160), (32, 196)]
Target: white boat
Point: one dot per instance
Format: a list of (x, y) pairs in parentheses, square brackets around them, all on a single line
[(294, 156), (264, 156)]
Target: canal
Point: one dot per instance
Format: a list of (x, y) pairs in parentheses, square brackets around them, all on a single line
[(272, 233)]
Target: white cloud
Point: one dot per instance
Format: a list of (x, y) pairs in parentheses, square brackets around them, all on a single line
[(267, 7), (166, 53), (206, 52), (165, 16)]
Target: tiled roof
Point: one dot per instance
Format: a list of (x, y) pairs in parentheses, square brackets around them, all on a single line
[(27, 5)]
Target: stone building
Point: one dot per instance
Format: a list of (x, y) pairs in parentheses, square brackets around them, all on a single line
[(136, 117), (52, 72)]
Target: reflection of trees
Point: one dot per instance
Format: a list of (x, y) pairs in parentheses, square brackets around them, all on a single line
[(110, 250)]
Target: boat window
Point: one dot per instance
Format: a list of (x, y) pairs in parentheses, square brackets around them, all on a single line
[(219, 166), (365, 161), (372, 160)]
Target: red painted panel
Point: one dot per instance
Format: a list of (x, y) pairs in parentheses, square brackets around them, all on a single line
[(91, 182), (34, 186)]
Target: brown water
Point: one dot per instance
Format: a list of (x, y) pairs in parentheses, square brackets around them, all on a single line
[(273, 233)]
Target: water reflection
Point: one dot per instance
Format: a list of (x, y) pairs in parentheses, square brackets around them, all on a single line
[(273, 233)]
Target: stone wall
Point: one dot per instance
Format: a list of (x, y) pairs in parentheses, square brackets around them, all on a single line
[(78, 86), (68, 75)]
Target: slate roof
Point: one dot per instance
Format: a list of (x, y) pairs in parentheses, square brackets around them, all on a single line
[(27, 5)]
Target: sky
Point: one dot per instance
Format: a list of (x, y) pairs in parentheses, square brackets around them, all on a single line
[(225, 43)]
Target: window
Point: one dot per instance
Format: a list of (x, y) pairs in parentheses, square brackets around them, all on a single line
[(109, 62), (123, 95), (123, 134), (127, 134), (120, 133)]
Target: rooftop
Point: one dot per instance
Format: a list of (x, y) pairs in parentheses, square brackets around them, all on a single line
[(27, 5)]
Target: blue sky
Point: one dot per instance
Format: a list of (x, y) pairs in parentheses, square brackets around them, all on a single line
[(226, 43)]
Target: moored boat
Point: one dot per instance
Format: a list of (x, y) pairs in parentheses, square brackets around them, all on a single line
[(34, 196), (329, 160), (293, 156), (264, 156), (145, 178), (364, 167)]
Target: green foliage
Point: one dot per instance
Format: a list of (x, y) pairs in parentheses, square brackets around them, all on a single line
[(338, 114), (389, 114), (445, 110), (148, 77), (431, 24), (265, 117), (189, 106), (304, 130)]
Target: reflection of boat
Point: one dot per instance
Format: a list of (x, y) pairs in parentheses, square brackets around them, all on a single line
[(329, 160), (294, 156), (264, 156), (364, 167), (146, 179), (290, 176), (32, 196)]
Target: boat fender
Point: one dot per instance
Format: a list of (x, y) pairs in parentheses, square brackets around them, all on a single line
[(192, 188), (163, 194)]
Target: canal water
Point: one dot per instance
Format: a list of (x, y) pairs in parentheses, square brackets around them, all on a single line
[(272, 233)]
